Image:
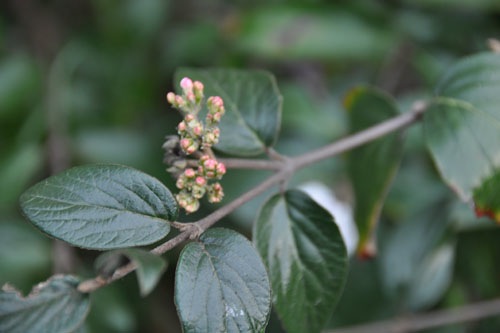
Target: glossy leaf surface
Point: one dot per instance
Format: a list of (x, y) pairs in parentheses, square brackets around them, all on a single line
[(253, 107), (150, 266), (221, 285), (462, 126), (54, 306), (373, 166), (101, 207), (306, 258)]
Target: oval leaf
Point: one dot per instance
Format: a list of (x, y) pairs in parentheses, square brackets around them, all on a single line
[(253, 107), (150, 267), (373, 166), (54, 306), (221, 285), (462, 128), (306, 258), (101, 207)]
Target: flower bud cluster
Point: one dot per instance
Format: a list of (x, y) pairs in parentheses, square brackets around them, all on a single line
[(196, 136)]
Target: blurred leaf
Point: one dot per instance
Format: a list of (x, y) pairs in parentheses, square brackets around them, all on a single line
[(470, 4), (433, 277), (102, 206), (373, 166), (19, 82), (253, 107), (221, 285), (113, 146), (462, 129), (306, 258), (52, 306), (409, 255), (150, 267), (17, 170), (322, 34), (25, 255)]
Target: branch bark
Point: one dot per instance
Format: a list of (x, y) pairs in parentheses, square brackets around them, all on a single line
[(288, 166), (429, 320)]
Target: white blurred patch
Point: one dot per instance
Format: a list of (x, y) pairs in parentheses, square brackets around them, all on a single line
[(342, 212)]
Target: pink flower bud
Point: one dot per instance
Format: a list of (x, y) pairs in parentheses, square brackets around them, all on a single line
[(186, 85), (198, 130), (182, 126), (190, 173), (198, 86), (189, 118), (179, 101), (200, 181), (221, 169), (185, 143), (216, 117), (171, 98)]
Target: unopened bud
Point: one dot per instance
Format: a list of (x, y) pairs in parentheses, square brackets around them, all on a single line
[(187, 85), (171, 98), (198, 91), (215, 193)]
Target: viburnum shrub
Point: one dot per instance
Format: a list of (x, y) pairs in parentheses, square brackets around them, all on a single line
[(297, 262)]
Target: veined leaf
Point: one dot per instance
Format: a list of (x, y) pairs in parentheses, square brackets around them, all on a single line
[(462, 126), (306, 258), (54, 306), (253, 107), (221, 285), (102, 206), (373, 166)]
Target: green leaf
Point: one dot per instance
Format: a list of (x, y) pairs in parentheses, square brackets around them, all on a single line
[(221, 285), (306, 258), (150, 267), (54, 306), (372, 167), (285, 33), (462, 128), (253, 107), (102, 206)]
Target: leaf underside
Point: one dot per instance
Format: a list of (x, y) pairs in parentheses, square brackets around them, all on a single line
[(53, 306)]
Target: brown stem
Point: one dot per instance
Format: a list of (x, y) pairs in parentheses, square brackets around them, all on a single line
[(288, 166), (429, 320)]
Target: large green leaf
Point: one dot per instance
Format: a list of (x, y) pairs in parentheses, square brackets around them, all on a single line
[(306, 258), (319, 33), (221, 285), (102, 206), (150, 266), (372, 167), (54, 306), (462, 127), (253, 107)]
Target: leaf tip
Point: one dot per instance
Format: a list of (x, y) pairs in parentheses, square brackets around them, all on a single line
[(350, 97), (367, 250)]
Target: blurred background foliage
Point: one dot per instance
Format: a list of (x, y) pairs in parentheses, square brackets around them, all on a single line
[(84, 82)]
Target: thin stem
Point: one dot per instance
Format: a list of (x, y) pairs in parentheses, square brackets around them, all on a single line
[(368, 135), (288, 166), (425, 321), (243, 163)]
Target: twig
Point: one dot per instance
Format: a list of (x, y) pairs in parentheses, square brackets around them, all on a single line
[(288, 167), (425, 321)]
